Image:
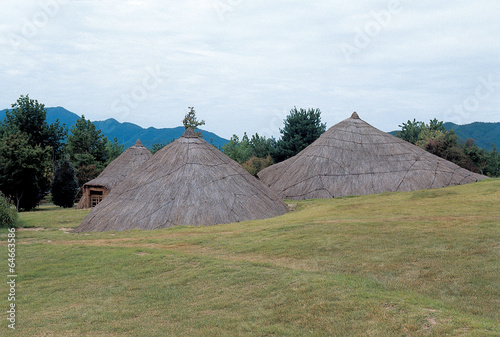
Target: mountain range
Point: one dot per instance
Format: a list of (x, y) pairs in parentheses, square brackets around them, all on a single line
[(127, 133)]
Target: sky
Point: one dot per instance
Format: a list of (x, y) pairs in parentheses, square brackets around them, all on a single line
[(243, 65)]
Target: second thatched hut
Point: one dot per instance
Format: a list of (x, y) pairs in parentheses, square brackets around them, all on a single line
[(97, 189), (188, 182), (354, 158)]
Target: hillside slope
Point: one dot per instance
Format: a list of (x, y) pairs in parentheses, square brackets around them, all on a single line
[(483, 133), (422, 263)]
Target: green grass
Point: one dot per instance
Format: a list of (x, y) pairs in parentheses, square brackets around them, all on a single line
[(424, 263)]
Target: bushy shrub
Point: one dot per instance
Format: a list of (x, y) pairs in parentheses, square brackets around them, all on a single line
[(254, 165), (8, 214)]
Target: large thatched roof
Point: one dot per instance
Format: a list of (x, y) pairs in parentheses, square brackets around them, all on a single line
[(354, 158), (122, 166), (188, 182)]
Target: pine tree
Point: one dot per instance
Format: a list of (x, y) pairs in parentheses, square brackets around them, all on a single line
[(190, 121), (301, 128), (64, 186)]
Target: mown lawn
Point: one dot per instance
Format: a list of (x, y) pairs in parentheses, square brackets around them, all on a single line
[(424, 263)]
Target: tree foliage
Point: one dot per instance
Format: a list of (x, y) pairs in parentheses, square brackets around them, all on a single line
[(86, 144), (253, 153), (64, 185), (255, 164), (493, 162), (25, 170), (191, 121), (301, 128), (8, 215), (29, 117), (434, 138), (87, 149), (113, 150)]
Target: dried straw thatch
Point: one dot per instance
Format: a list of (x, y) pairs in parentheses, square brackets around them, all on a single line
[(354, 158), (188, 182), (97, 189)]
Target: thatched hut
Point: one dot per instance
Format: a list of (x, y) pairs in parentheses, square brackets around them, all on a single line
[(188, 182), (97, 189), (354, 158)]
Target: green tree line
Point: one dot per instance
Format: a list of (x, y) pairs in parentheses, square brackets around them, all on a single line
[(301, 127), (434, 138), (36, 157)]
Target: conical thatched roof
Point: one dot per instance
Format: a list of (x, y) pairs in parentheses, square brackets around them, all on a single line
[(122, 166), (354, 158), (115, 172), (188, 182)]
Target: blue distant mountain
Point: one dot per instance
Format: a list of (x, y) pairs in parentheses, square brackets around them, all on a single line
[(126, 133), (484, 134)]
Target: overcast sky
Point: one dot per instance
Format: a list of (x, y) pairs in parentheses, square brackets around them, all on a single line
[(244, 64)]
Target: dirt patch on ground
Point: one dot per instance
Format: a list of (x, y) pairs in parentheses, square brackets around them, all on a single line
[(36, 229)]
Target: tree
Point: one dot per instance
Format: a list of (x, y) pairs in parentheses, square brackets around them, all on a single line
[(254, 154), (113, 150), (28, 149), (158, 146), (85, 138), (301, 128), (25, 170), (410, 131), (262, 147), (190, 121), (64, 185), (255, 164), (237, 150), (29, 117), (493, 163), (476, 157), (434, 138), (87, 147)]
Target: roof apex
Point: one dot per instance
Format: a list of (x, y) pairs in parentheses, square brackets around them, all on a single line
[(355, 115), (190, 133), (138, 143)]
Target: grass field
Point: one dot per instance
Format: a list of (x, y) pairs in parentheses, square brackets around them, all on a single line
[(424, 263)]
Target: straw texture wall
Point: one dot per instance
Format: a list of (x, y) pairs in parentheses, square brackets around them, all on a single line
[(188, 182), (116, 171), (354, 158)]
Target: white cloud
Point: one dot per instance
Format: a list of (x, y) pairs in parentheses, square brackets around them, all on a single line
[(245, 65)]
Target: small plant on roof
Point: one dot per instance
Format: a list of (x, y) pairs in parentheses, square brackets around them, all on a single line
[(190, 121)]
